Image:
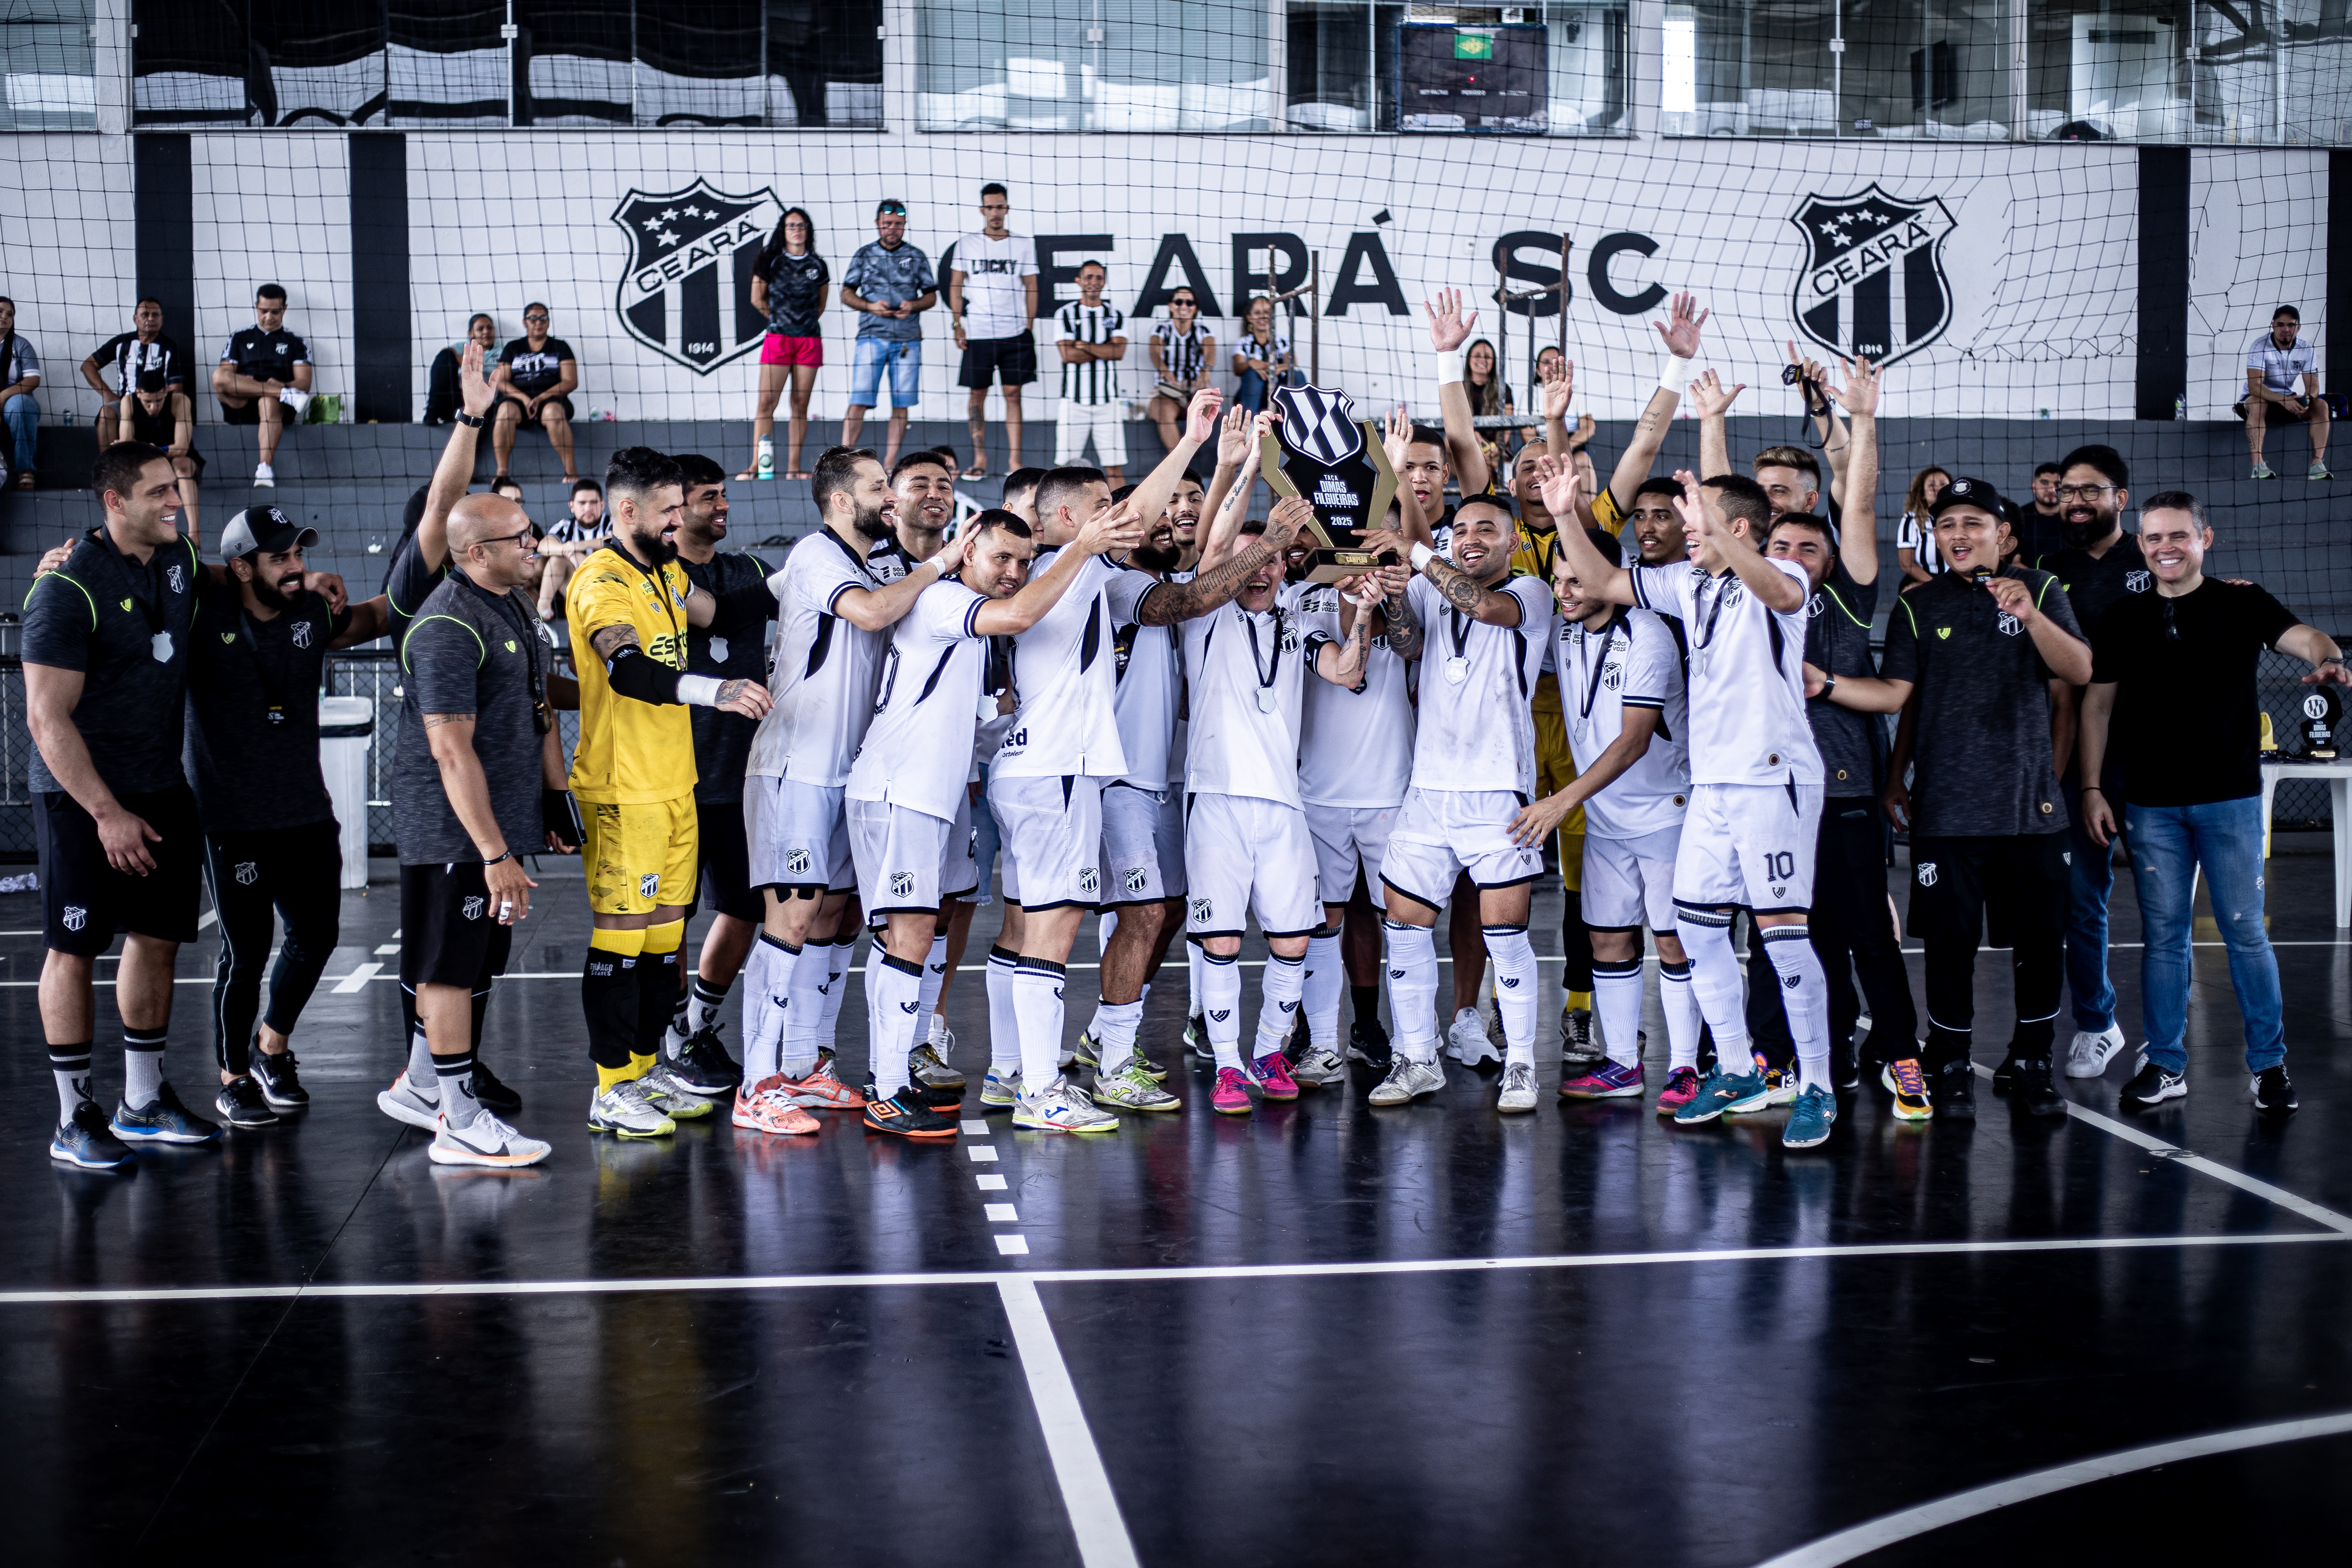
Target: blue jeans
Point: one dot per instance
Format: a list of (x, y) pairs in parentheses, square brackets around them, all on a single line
[(1249, 391), (23, 417), (869, 357), (2091, 880), (2168, 844)]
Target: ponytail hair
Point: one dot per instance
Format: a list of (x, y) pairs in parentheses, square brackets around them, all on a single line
[(774, 249)]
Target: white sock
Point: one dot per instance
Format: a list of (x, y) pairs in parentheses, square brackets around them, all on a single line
[(812, 980), (704, 998), (1192, 979), (935, 974), (424, 1077), (1805, 993), (1326, 979), (1104, 924), (1220, 1005), (1003, 1022), (767, 1004), (1037, 1000), (1280, 984), (1617, 997), (836, 989), (896, 987), (70, 1064), (1413, 988), (1515, 989), (1716, 980), (1679, 1002), (1115, 1025), (143, 1067)]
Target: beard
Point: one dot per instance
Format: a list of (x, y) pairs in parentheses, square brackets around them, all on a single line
[(278, 597), (2091, 532), (653, 549), (872, 526), (1155, 557)]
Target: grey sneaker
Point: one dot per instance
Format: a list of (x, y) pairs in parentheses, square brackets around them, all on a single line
[(928, 1061), (487, 1142), (1577, 1047), (2261, 471), (1518, 1088), (2090, 1052), (1060, 1107), (1319, 1066), (626, 1110), (1131, 1088), (2319, 471), (1001, 1092), (403, 1103), (668, 1091), (1466, 1041), (1408, 1081)]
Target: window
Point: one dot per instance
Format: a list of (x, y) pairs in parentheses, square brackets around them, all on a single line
[(1901, 70), (2189, 72), (1095, 65), (51, 79)]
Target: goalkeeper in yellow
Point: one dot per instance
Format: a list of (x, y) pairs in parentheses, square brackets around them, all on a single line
[(628, 606)]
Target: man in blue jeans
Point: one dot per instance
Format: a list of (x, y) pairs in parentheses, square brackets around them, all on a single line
[(2172, 700), (889, 283)]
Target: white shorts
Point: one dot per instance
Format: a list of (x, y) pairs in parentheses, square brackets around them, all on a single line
[(1105, 422), (1053, 839), (1242, 853), (797, 836), (909, 861), (1142, 845), (1347, 836), (1441, 832), (1630, 882), (1751, 845)]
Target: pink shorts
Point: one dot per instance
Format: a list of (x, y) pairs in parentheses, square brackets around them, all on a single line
[(775, 349)]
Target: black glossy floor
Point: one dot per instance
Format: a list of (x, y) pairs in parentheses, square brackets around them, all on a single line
[(1324, 1334)]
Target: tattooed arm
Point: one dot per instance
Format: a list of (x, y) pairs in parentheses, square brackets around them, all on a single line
[(1172, 602), (1403, 627)]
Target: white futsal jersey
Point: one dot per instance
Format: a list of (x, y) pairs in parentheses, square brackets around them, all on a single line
[(1746, 675), (1476, 731), (1151, 690), (1246, 675), (1355, 749), (821, 667), (1063, 670), (918, 750), (1632, 662)]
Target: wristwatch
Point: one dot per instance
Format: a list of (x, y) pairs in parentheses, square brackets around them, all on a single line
[(473, 421), (1828, 683)]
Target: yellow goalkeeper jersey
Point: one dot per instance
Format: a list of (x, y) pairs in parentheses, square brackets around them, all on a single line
[(630, 752)]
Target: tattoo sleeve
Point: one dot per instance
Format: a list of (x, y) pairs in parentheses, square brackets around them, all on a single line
[(1403, 630), (1173, 601), (609, 641), (1461, 589)]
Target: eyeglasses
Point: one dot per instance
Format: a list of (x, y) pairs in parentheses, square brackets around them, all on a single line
[(511, 538), (2084, 493), (540, 317)]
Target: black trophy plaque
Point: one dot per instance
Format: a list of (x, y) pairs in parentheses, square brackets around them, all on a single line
[(1321, 451), (2320, 711)]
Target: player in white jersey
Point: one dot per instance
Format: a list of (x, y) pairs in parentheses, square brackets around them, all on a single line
[(1621, 688), (1480, 635), (1756, 784), (833, 616), (909, 813)]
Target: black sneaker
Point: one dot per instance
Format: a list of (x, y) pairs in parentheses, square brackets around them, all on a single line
[(1845, 1067), (280, 1085), (1576, 1043), (164, 1121), (931, 1096), (1196, 1036), (2274, 1092), (2152, 1086), (1367, 1041), (1952, 1089), (85, 1140), (699, 1065), (904, 1115), (493, 1094), (2004, 1076), (240, 1104), (2037, 1096)]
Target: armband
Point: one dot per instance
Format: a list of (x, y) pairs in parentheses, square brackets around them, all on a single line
[(631, 674), (945, 561), (1420, 554), (1673, 372), (1449, 366), (699, 690)]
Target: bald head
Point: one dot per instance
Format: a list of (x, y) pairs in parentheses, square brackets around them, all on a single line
[(482, 530)]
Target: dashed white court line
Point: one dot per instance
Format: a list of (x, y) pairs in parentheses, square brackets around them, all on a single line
[(1001, 1214), (1103, 1541), (1864, 1539), (979, 1152), (357, 979), (207, 918), (989, 1183)]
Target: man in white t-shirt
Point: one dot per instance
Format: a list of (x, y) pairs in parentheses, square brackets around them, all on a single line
[(991, 299), (834, 614), (1091, 335), (1749, 835), (2276, 363)]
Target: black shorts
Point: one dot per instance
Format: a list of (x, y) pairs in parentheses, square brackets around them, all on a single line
[(449, 934), (1013, 359), (85, 901), (524, 414), (251, 413), (2278, 414), (725, 861)]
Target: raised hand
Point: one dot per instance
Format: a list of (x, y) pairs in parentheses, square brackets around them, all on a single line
[(1200, 419), (1559, 391), (1681, 328), (1448, 328), (1290, 517), (1587, 427), (1557, 481), (1859, 395), (1381, 542), (1708, 399), (1112, 530), (1697, 522), (474, 394), (1234, 438), (1396, 435)]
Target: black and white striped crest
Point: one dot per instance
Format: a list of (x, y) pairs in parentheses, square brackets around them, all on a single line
[(1873, 280), (1319, 423), (685, 286)]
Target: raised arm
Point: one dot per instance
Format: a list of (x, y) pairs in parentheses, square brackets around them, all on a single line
[(1236, 451), (1152, 497), (1396, 437), (1858, 534), (1213, 585), (1119, 530), (1342, 663), (455, 469), (1837, 443), (1596, 574), (1460, 590), (878, 609), (1448, 329), (1713, 403), (1779, 590)]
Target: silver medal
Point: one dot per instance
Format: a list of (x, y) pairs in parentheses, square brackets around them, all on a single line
[(1458, 669), (160, 645), (1265, 703)]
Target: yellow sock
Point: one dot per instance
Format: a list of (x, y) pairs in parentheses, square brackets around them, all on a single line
[(1581, 1001), (665, 938), (638, 1066), (607, 1077)]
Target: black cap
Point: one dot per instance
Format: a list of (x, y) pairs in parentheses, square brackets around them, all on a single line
[(1978, 493), (264, 527)]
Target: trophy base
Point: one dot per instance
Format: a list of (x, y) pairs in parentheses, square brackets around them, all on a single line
[(1331, 565), (2321, 753)]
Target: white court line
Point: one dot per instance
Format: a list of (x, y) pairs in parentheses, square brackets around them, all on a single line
[(1863, 1538), (207, 918), (726, 1283), (2197, 1162), (357, 979), (1077, 1464)]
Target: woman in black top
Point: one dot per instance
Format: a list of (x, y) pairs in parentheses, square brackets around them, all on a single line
[(789, 285)]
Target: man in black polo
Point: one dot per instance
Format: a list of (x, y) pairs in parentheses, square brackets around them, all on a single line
[(264, 377), (2100, 567), (106, 671), (1986, 652), (271, 842), (479, 779)]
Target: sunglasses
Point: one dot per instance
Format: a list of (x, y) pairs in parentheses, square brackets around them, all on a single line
[(891, 209)]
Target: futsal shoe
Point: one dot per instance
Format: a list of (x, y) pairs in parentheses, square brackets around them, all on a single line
[(1781, 1084), (929, 1061), (1723, 1095), (1060, 1107), (1954, 1090), (84, 1140), (938, 1100), (2273, 1093), (2153, 1086), (1466, 1041), (1809, 1119), (1230, 1095), (2261, 471), (2036, 1094), (1131, 1088), (240, 1104), (766, 1108), (1271, 1073), (1320, 1065), (2319, 471), (1908, 1085), (1575, 1045), (1090, 1055), (1518, 1089), (1196, 1035), (1367, 1041), (626, 1111), (1001, 1092), (281, 1087), (1610, 1080), (163, 1121), (1682, 1087), (701, 1063), (821, 1088), (905, 1115), (402, 1102), (2092, 1050), (487, 1142), (1408, 1081), (493, 1094), (669, 1092)]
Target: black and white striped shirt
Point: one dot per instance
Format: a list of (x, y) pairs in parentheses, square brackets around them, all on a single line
[(1182, 353), (1094, 381)]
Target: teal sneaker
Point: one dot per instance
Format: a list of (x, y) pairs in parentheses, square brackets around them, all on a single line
[(1723, 1095), (1809, 1119)]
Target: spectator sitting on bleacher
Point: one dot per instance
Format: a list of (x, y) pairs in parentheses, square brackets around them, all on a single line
[(20, 369), (2274, 363), (156, 412), (264, 377), (130, 355), (441, 398), (536, 373), (569, 542)]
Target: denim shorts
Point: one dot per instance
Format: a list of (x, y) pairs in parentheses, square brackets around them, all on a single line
[(867, 361)]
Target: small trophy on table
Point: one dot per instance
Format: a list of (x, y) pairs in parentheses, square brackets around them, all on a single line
[(2320, 711), (1321, 451)]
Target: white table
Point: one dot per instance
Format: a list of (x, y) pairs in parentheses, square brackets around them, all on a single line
[(2339, 774)]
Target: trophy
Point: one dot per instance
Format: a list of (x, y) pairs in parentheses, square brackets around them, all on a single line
[(1321, 451), (2320, 710)]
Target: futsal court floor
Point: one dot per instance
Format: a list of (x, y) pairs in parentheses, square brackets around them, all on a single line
[(1325, 1333)]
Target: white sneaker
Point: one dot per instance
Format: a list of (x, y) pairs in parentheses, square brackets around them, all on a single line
[(297, 399), (1060, 1107), (486, 1140), (1408, 1081), (403, 1103), (929, 1062), (1466, 1041), (626, 1110), (998, 1090), (1518, 1088), (1319, 1066), (265, 477), (669, 1092), (2089, 1055)]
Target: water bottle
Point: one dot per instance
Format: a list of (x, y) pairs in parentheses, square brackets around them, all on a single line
[(2180, 408), (767, 468)]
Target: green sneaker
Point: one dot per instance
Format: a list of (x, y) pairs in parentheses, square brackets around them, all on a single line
[(1132, 1088), (1723, 1095)]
